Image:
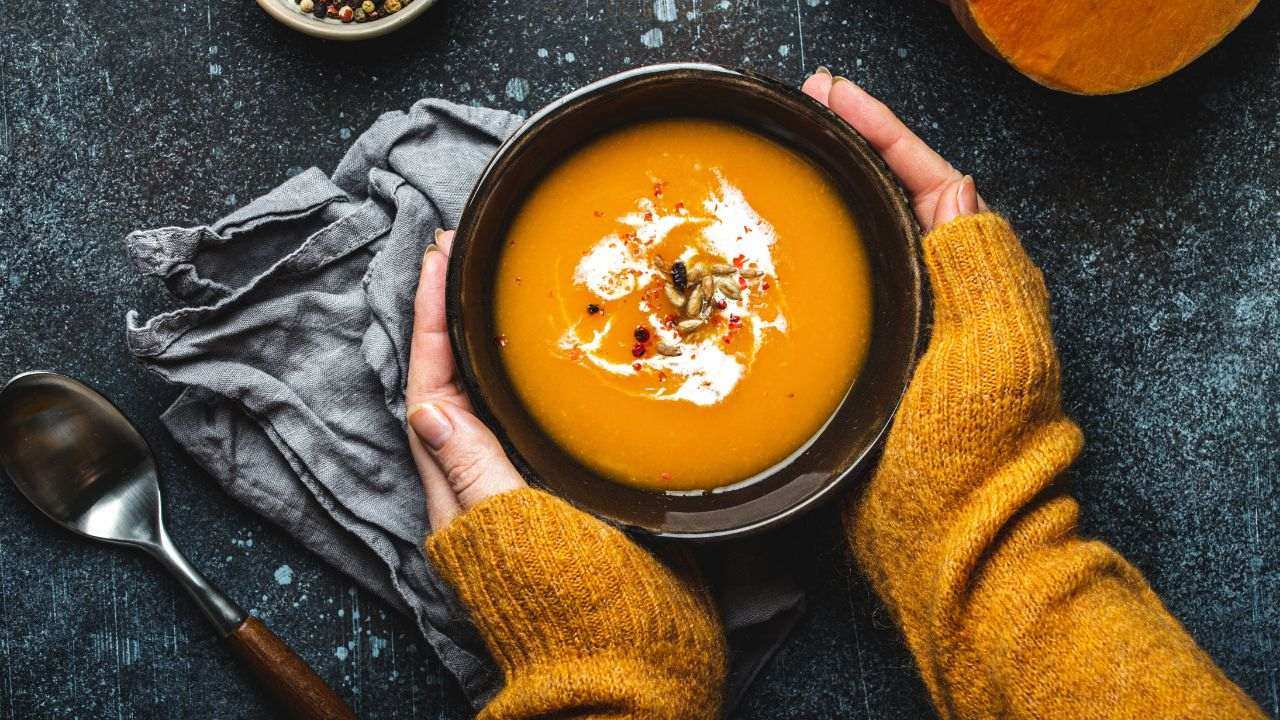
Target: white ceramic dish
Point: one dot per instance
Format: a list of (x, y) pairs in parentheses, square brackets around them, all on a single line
[(287, 13)]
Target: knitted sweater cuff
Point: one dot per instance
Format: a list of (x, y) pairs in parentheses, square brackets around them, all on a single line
[(546, 582), (977, 266)]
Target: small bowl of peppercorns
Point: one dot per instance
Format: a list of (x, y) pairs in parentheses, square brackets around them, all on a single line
[(345, 19)]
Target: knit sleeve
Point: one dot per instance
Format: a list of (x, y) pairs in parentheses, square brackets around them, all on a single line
[(1007, 610), (582, 622)]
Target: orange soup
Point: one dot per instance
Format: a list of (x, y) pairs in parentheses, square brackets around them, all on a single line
[(682, 304)]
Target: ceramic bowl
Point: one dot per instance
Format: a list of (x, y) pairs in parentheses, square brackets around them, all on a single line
[(845, 447), (287, 13)]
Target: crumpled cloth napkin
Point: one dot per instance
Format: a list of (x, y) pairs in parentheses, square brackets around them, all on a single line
[(292, 343)]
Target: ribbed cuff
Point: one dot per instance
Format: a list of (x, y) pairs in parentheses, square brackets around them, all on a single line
[(545, 582), (977, 266)]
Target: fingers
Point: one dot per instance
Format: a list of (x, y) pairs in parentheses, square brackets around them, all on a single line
[(431, 368), (920, 170), (967, 196), (818, 85), (956, 199), (473, 464), (442, 504), (444, 240), (948, 207)]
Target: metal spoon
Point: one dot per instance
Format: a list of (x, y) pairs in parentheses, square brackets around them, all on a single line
[(77, 458)]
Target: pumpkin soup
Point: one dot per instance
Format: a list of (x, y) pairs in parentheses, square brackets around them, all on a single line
[(681, 304)]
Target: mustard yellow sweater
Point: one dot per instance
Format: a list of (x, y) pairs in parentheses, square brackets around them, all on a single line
[(961, 530), (582, 622)]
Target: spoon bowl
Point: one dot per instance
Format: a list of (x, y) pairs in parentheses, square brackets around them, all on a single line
[(82, 463), (78, 460)]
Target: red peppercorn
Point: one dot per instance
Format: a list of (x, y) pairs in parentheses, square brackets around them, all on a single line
[(636, 367), (721, 304), (734, 319), (637, 350), (641, 334)]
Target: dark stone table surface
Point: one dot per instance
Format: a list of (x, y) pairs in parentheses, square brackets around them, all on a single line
[(1154, 216)]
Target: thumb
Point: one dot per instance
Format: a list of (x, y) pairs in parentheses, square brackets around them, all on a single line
[(468, 454), (957, 199)]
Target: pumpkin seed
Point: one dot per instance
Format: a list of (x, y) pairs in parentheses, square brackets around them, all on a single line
[(729, 288), (676, 298), (693, 306), (696, 273), (723, 269), (687, 326), (668, 350)]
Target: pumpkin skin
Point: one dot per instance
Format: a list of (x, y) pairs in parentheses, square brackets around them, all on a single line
[(1092, 47)]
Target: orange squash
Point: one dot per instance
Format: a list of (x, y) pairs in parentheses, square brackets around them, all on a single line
[(1099, 47)]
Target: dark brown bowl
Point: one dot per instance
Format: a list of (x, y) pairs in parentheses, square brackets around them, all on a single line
[(843, 449)]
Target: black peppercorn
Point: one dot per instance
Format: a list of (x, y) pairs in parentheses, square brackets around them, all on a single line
[(592, 309), (679, 276), (641, 334)]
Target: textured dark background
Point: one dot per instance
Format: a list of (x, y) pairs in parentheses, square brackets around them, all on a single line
[(1154, 216)]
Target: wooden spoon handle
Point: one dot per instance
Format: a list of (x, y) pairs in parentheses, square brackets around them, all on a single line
[(296, 689)]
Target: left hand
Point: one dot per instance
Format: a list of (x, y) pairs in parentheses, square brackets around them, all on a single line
[(459, 459), (938, 192)]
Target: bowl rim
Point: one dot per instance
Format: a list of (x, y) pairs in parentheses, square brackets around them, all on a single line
[(347, 32), (468, 376)]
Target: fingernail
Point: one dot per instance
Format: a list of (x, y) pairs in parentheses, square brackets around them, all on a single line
[(822, 70), (439, 234), (967, 196), (430, 424)]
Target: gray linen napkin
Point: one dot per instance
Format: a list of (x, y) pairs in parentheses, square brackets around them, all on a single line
[(293, 340)]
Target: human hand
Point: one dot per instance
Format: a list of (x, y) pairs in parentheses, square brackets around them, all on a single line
[(458, 458), (938, 192), (991, 322)]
